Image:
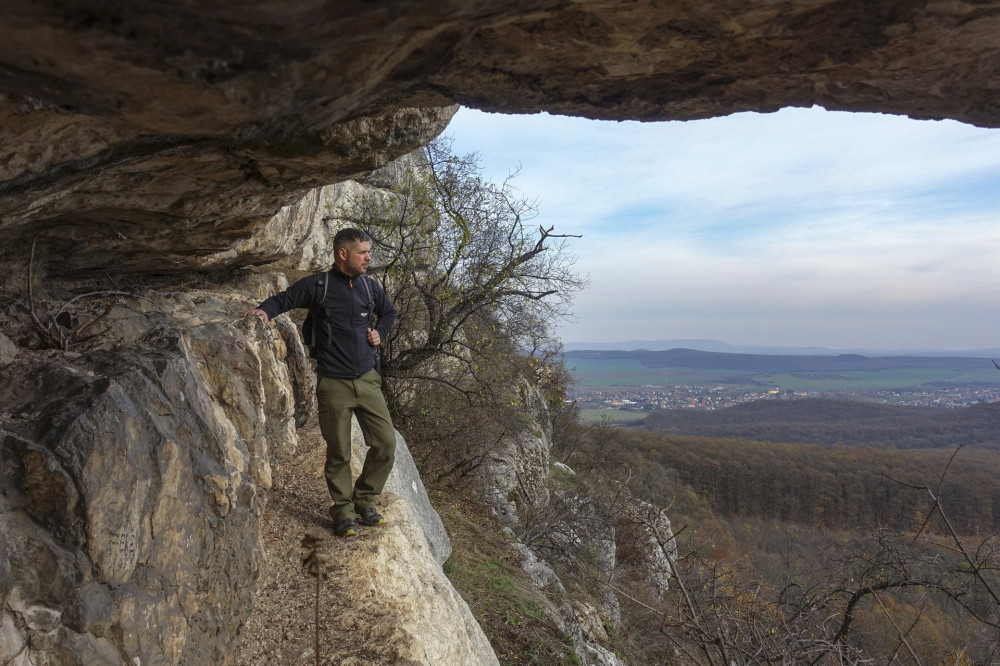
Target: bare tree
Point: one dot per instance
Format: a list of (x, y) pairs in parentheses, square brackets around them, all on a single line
[(464, 263), (478, 286)]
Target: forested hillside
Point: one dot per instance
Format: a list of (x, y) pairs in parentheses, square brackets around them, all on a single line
[(832, 487), (831, 422), (797, 549)]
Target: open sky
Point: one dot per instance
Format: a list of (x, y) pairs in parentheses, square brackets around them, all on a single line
[(798, 228)]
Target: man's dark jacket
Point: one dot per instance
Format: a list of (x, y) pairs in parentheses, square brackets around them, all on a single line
[(342, 349)]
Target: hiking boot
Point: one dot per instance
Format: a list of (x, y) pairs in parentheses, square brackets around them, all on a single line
[(346, 528), (370, 517)]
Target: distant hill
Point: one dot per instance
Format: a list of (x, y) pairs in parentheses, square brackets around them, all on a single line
[(777, 363), (830, 422), (719, 346), (660, 345)]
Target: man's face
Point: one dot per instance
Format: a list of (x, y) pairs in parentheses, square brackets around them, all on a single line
[(355, 257)]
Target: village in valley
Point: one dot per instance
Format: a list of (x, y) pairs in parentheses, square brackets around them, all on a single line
[(647, 398)]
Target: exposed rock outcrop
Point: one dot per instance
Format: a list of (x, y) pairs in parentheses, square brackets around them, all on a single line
[(604, 530), (516, 471), (404, 482), (298, 236), (434, 624), (180, 207), (132, 483)]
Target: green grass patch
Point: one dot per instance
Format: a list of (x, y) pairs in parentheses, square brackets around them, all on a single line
[(486, 571), (862, 380), (981, 376)]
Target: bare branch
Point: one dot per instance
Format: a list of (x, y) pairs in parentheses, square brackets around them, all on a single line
[(903, 641), (59, 332)]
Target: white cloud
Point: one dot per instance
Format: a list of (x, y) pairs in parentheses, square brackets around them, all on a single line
[(801, 227)]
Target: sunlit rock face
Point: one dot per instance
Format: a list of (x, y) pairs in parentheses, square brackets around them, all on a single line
[(132, 480), (158, 136)]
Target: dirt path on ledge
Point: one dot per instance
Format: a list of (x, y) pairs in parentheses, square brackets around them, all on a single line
[(355, 630)]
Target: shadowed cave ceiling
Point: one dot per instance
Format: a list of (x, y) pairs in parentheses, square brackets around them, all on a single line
[(158, 135)]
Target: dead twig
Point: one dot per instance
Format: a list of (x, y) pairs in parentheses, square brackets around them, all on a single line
[(59, 332), (903, 635), (952, 532)]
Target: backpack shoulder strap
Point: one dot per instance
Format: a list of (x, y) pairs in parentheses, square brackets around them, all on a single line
[(321, 287), (310, 332), (371, 301)]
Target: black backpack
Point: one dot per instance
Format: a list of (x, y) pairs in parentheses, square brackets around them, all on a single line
[(310, 327)]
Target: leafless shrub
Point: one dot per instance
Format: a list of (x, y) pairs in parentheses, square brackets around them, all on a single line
[(886, 587), (63, 329)]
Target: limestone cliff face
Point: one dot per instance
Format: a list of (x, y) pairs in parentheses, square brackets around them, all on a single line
[(133, 479), (551, 513), (298, 236)]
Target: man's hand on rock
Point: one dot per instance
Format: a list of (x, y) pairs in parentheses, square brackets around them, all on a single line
[(257, 312)]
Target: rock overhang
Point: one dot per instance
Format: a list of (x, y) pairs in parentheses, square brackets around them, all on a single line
[(161, 135)]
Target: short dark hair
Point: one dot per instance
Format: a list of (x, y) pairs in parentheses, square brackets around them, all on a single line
[(349, 235)]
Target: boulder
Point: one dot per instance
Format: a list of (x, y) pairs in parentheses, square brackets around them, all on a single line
[(404, 482), (431, 624)]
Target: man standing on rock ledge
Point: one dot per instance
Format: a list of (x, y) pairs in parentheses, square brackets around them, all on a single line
[(348, 380)]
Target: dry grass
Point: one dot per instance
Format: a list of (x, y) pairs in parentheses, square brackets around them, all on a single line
[(515, 615)]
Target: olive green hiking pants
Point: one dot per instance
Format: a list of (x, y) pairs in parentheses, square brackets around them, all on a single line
[(338, 399)]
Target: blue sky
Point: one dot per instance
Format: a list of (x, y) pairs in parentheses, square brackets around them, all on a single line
[(798, 228)]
